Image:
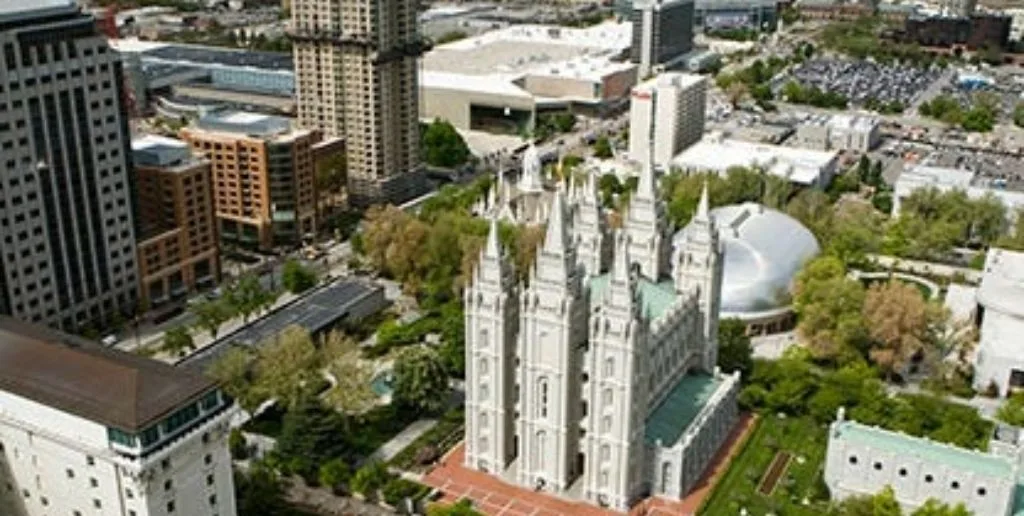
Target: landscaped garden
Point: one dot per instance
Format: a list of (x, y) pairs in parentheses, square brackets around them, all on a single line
[(433, 444), (778, 471)]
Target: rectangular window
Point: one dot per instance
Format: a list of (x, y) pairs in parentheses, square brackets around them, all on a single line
[(121, 437)]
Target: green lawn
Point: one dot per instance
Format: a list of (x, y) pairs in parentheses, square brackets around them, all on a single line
[(803, 438)]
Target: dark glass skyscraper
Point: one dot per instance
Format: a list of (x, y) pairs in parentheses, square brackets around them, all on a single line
[(662, 32), (66, 220)]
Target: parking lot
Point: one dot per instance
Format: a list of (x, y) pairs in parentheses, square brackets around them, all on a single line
[(862, 80)]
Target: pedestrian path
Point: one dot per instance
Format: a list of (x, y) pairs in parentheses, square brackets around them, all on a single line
[(388, 450)]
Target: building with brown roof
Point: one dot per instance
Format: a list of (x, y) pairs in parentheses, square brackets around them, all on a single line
[(178, 247), (90, 430)]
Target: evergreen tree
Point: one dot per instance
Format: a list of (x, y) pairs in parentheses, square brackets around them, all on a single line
[(311, 435), (734, 350)]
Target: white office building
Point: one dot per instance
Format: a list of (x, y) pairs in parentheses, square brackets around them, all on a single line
[(802, 167), (838, 132), (947, 179), (666, 116), (89, 431), (598, 381), (999, 358)]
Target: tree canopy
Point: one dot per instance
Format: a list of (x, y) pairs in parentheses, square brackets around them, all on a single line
[(799, 388), (442, 145), (463, 507), (899, 323), (734, 350), (884, 503), (286, 366), (421, 382), (177, 341), (829, 306), (1012, 410), (297, 278)]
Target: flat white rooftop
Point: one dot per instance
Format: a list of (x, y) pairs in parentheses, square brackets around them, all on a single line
[(133, 45), (1002, 283), (845, 122), (24, 6), (147, 141), (491, 61), (670, 80), (961, 300), (717, 154)]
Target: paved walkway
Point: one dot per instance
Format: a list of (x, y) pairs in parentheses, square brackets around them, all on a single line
[(201, 338), (388, 450), (922, 267), (931, 285), (494, 497), (772, 347)]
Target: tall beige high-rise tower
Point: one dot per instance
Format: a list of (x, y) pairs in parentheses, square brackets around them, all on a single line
[(357, 79)]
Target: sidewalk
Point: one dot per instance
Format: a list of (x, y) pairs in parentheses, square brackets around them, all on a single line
[(922, 267), (388, 450), (201, 338)]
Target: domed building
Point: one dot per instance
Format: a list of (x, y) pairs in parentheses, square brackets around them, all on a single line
[(764, 251)]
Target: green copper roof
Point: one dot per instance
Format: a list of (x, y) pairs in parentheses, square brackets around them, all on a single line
[(962, 459), (656, 297), (675, 413)]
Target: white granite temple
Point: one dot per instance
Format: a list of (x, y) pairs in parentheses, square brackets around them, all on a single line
[(596, 378)]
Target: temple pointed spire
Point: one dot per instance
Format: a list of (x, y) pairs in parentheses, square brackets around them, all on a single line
[(621, 264), (493, 248), (703, 210), (557, 237), (530, 179), (645, 187), (590, 190), (492, 197)]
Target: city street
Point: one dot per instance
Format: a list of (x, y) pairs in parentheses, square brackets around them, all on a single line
[(334, 263)]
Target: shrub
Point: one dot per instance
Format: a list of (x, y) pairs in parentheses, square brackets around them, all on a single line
[(334, 474), (237, 445), (370, 478), (398, 489)]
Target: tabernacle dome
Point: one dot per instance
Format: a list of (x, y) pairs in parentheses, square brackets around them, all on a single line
[(764, 251)]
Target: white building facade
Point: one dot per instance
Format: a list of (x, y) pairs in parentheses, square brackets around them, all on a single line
[(838, 132), (999, 359), (614, 391), (863, 460), (668, 113), (947, 179), (105, 441)]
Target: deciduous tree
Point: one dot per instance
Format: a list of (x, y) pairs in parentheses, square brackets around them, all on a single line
[(899, 323), (297, 278), (829, 306), (211, 314), (246, 296), (421, 382), (232, 370), (442, 145), (1012, 410), (286, 366), (177, 341)]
